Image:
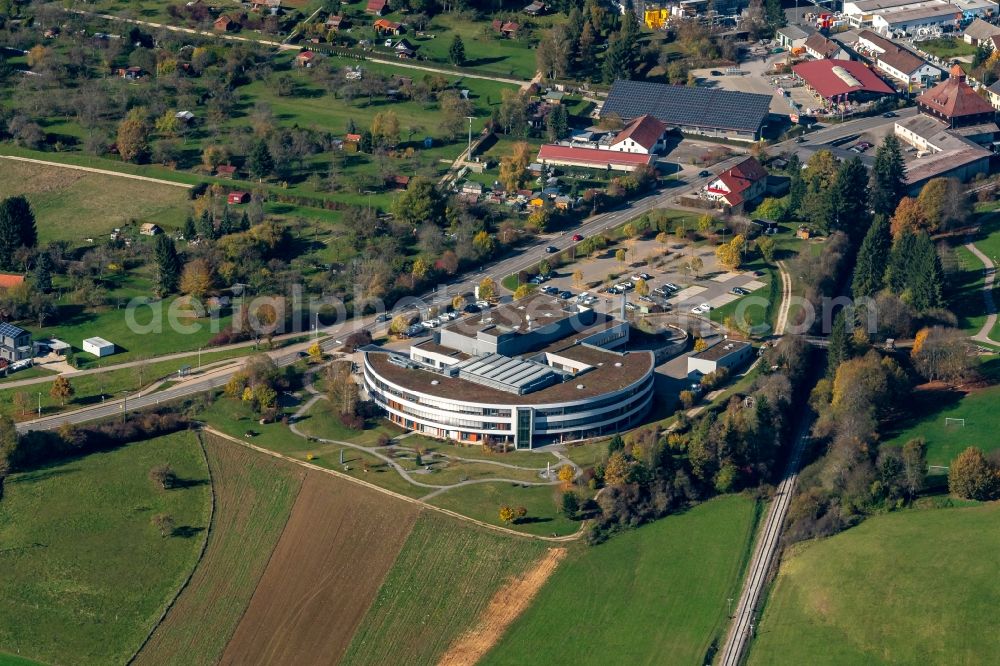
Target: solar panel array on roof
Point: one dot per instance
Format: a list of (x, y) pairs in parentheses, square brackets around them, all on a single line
[(10, 331), (684, 106), (513, 375)]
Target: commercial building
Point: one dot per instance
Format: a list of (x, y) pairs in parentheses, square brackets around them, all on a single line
[(914, 17), (728, 354), (901, 65), (791, 37), (980, 32), (841, 80), (98, 347), (531, 372), (726, 114), (591, 158), (955, 103)]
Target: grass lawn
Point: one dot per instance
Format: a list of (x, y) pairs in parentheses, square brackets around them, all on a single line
[(656, 591), (484, 53), (911, 587), (760, 317), (483, 500), (947, 47), (442, 580), (83, 572), (254, 494), (534, 459), (72, 205), (944, 443), (966, 293), (320, 421)]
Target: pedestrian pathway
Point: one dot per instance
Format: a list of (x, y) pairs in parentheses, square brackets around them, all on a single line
[(989, 270)]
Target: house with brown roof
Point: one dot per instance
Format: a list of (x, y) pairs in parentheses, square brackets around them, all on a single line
[(739, 185), (377, 7), (225, 24), (644, 135), (225, 171), (980, 32), (955, 103), (305, 59), (336, 22), (900, 64), (505, 28), (821, 48), (386, 27)]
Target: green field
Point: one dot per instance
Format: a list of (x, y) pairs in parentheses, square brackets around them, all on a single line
[(944, 443), (83, 572), (482, 501), (253, 497), (912, 587), (442, 580), (72, 205), (654, 595), (947, 47)]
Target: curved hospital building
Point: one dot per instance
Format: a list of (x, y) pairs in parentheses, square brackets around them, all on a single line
[(528, 373)]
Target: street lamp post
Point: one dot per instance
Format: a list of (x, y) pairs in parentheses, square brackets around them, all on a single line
[(199, 358), (39, 404), (124, 405), (468, 154)]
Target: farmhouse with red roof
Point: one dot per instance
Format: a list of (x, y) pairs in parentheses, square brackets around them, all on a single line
[(591, 158), (744, 183), (643, 135)]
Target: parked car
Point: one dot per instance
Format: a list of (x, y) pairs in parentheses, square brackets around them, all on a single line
[(705, 307), (565, 295), (671, 286), (551, 249), (482, 304), (646, 299), (739, 291), (697, 309), (471, 308)]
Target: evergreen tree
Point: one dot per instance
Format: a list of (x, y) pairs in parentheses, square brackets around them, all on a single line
[(260, 164), (244, 222), (367, 142), (17, 229), (888, 185), (851, 199), (925, 276), (226, 223), (206, 225), (189, 230), (775, 14), (352, 127), (168, 265), (617, 60), (42, 275), (796, 187), (897, 273), (873, 257), (456, 52), (557, 123), (839, 348)]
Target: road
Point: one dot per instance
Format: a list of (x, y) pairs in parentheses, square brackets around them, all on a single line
[(103, 172), (744, 622)]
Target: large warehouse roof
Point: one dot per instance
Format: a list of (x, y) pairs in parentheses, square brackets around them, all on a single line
[(831, 78), (685, 106)]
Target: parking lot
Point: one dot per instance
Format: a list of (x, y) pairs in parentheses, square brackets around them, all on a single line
[(755, 78)]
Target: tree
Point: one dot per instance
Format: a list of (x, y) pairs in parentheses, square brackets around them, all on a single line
[(618, 469), (163, 522), (766, 246), (944, 204), (487, 289), (942, 353), (315, 352), (570, 504), (41, 276), (557, 123), (914, 457), (342, 390), (908, 217), (514, 165), (695, 264), (730, 254), (168, 265), (22, 403), (456, 52), (260, 163), (520, 513), (873, 258), (8, 446), (168, 124), (839, 349), (851, 199), (506, 514), (421, 202), (132, 138), (578, 278), (523, 290), (554, 53), (196, 280), (642, 288), (163, 476), (61, 390), (385, 129), (484, 243), (888, 177), (566, 475), (399, 324), (771, 209), (972, 476), (17, 230)]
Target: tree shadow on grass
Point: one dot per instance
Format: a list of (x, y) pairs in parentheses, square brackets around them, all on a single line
[(41, 475), (924, 404), (181, 483), (529, 520), (187, 531)]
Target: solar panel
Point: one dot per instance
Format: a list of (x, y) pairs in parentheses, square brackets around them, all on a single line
[(9, 330), (706, 108)]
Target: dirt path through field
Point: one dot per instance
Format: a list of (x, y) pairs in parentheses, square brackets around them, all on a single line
[(505, 607)]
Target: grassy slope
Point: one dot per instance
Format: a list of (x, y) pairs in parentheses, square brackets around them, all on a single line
[(914, 587), (652, 596), (444, 577), (483, 500), (73, 205), (254, 495), (83, 572), (945, 442)]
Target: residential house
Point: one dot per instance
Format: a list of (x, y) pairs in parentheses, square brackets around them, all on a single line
[(738, 186), (15, 343), (386, 27), (821, 48), (506, 29), (130, 73), (225, 171), (404, 49), (397, 182), (225, 24), (644, 135), (238, 197), (8, 280), (336, 22), (305, 59), (535, 8), (186, 117), (980, 32), (472, 187), (900, 64), (791, 37), (150, 229), (993, 92), (377, 7)]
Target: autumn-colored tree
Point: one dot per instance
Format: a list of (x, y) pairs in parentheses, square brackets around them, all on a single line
[(487, 289), (523, 290), (700, 345), (520, 513), (168, 124), (566, 475), (539, 219), (578, 279), (61, 390), (972, 476), (399, 324), (484, 243), (131, 140), (514, 166), (618, 469), (419, 269), (458, 303), (642, 287), (730, 254), (163, 522), (22, 403), (196, 280), (695, 264), (705, 223), (620, 255), (385, 128), (315, 351), (506, 514), (909, 216), (163, 476)]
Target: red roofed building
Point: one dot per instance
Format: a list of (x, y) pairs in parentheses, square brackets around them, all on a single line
[(840, 80), (305, 59), (592, 158), (643, 135), (377, 7), (8, 280), (955, 103), (238, 198), (387, 27), (744, 183)]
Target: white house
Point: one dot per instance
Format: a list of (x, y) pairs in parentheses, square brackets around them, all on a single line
[(645, 135), (898, 63), (821, 48), (746, 182), (98, 347), (727, 354)]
